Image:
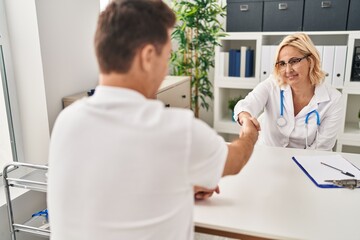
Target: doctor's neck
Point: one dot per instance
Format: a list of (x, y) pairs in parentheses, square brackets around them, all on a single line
[(305, 90)]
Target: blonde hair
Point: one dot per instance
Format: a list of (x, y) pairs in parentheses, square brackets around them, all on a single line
[(303, 43)]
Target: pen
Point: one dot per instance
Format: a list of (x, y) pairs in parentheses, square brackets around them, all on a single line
[(346, 173)]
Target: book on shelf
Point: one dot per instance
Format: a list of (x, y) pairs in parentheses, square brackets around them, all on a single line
[(232, 53), (238, 59), (243, 50), (240, 62), (249, 63), (224, 63)]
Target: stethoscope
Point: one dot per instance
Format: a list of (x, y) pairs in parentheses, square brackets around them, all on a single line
[(281, 121)]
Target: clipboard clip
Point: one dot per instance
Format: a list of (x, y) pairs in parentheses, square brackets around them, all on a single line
[(345, 183)]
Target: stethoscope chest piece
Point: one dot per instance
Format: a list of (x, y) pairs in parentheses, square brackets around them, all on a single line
[(281, 121)]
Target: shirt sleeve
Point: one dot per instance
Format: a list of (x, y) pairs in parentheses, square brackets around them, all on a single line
[(256, 100), (208, 153), (330, 125)]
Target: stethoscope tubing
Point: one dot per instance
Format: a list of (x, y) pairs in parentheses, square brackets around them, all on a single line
[(281, 122)]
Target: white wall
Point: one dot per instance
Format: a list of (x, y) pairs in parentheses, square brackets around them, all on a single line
[(66, 31), (51, 44)]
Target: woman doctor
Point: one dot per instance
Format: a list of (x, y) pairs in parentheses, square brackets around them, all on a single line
[(299, 109)]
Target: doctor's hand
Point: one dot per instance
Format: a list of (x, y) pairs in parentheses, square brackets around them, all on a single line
[(245, 115), (249, 129), (201, 193)]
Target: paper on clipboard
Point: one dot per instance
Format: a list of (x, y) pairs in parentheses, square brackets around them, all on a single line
[(318, 172)]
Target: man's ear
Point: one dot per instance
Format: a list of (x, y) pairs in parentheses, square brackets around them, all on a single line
[(147, 54)]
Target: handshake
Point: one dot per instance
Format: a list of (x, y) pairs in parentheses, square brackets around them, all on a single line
[(239, 153)]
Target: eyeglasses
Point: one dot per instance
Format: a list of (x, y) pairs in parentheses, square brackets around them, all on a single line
[(292, 62)]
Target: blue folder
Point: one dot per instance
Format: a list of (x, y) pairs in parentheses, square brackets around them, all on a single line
[(237, 63), (249, 66)]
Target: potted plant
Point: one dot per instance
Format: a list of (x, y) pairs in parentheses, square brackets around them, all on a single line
[(197, 32), (231, 105)]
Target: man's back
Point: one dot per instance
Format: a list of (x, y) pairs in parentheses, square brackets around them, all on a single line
[(123, 167)]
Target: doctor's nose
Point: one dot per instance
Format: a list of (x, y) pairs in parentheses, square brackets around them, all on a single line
[(289, 68)]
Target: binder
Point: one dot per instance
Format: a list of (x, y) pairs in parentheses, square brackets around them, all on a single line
[(314, 169), (224, 64), (320, 50), (273, 50), (249, 63), (237, 63), (242, 64), (232, 53), (328, 62), (272, 60), (265, 62), (339, 66)]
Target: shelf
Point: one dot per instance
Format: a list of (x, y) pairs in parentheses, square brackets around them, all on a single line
[(264, 45), (37, 225), (351, 132), (236, 82), (35, 180), (241, 36), (227, 126), (352, 87), (352, 129)]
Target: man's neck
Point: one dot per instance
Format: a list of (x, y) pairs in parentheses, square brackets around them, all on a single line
[(127, 80)]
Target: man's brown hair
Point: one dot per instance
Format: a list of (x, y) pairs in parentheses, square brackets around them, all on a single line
[(125, 26)]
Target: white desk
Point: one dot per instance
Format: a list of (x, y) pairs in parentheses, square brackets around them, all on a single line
[(272, 198)]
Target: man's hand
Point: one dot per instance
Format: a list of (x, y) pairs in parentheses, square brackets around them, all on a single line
[(250, 129), (201, 193), (245, 115)]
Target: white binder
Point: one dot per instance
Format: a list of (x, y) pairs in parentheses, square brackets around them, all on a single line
[(272, 57), (320, 50), (242, 60), (224, 64), (339, 66), (265, 62), (328, 62)]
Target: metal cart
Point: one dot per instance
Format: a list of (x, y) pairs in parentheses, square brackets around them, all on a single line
[(35, 180)]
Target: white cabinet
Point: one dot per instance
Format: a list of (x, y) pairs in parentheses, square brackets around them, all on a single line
[(173, 92), (264, 45)]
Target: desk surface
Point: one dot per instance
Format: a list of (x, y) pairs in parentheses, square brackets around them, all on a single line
[(272, 198)]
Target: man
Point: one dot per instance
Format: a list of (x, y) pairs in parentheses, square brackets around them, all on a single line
[(122, 166)]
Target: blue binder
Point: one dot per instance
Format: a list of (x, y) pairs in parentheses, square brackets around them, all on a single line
[(232, 57), (249, 66), (237, 63)]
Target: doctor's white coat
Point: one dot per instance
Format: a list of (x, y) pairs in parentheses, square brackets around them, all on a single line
[(265, 97)]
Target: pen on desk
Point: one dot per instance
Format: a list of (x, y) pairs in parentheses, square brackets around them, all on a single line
[(346, 173)]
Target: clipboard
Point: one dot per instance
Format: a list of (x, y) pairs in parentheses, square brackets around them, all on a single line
[(313, 168)]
